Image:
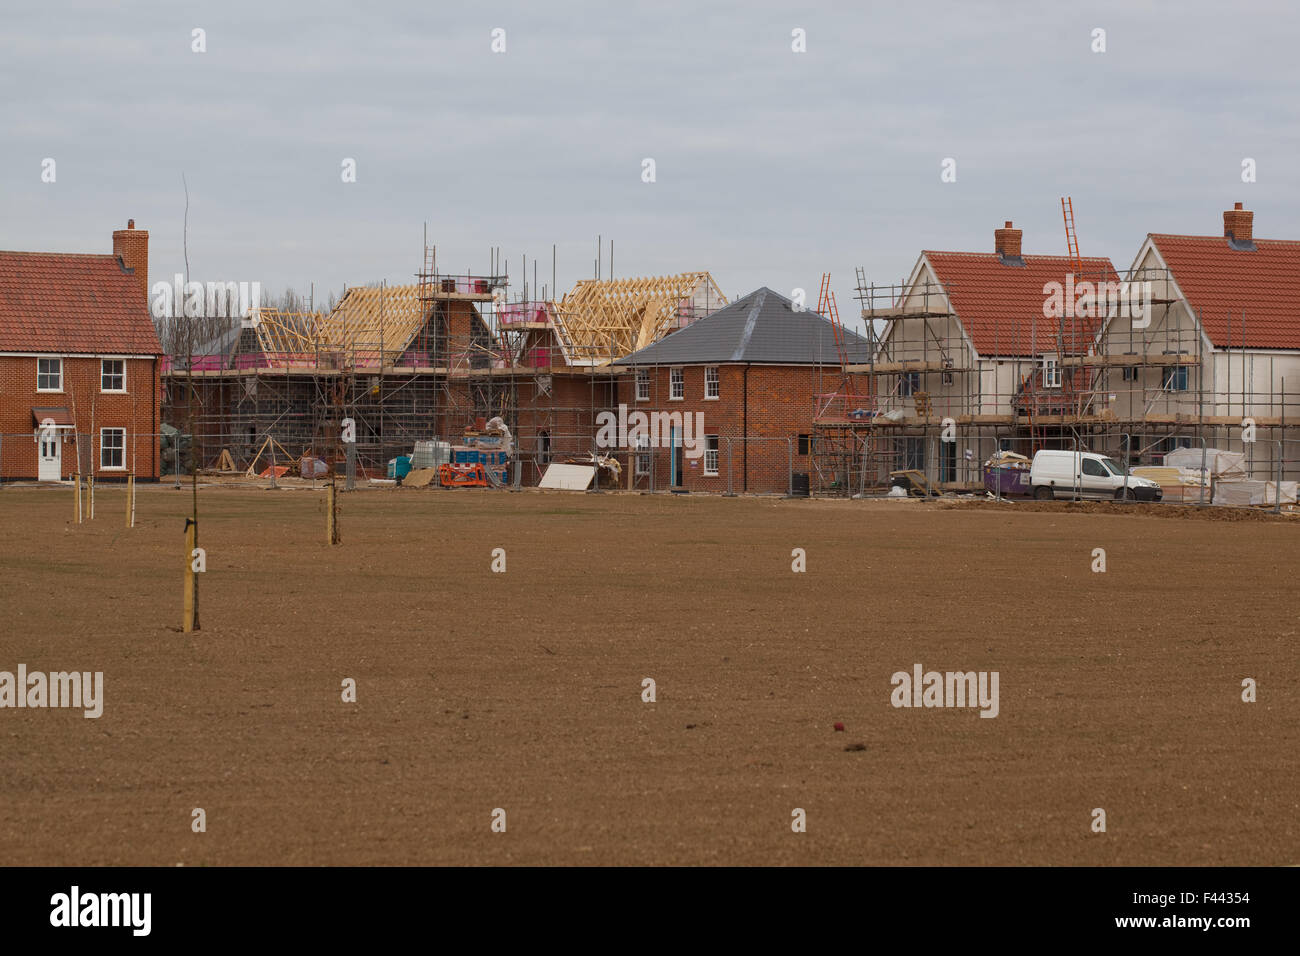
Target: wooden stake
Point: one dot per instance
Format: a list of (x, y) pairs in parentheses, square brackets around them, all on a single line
[(130, 501), (191, 582), (90, 494), (76, 494), (331, 514)]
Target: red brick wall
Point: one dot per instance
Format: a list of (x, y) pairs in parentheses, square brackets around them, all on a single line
[(136, 411), (780, 407), (567, 415)]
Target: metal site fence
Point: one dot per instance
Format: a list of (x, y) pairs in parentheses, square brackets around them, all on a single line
[(1223, 469), (56, 454), (707, 464), (1228, 467)]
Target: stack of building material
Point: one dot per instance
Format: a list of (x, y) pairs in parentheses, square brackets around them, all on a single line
[(1176, 484), (420, 477), (567, 477), (1221, 464), (1250, 492), (310, 467), (430, 454)]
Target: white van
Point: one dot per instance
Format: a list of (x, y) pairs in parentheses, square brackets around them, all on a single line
[(1084, 474)]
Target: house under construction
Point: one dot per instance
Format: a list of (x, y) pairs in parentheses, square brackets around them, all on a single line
[(432, 359), (977, 353)]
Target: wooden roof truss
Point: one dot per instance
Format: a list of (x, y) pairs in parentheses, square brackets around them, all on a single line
[(602, 320), (366, 323)]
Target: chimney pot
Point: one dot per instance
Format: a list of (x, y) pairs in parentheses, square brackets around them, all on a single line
[(130, 223), (1236, 205)]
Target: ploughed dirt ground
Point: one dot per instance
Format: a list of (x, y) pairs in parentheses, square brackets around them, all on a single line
[(523, 691)]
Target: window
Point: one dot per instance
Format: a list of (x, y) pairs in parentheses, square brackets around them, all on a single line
[(1093, 469), (1176, 379), (543, 447), (805, 444), (643, 385), (677, 385), (112, 375), (1051, 373), (49, 375), (711, 455), (1130, 373), (913, 453), (909, 384), (711, 389), (643, 454), (948, 461), (112, 448)]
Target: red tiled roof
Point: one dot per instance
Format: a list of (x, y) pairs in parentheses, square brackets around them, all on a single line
[(1220, 281), (51, 302), (1001, 306)]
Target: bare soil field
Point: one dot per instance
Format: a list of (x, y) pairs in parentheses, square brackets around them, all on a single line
[(523, 690)]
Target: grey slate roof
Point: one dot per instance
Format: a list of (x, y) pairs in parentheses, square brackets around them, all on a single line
[(760, 327)]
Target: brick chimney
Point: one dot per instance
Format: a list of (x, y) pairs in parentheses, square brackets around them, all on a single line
[(131, 245), (1238, 223), (1006, 241)]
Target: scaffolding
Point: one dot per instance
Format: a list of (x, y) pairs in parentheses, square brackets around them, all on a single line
[(435, 359), (932, 403)]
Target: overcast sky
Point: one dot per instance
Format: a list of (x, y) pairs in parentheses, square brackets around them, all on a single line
[(771, 166)]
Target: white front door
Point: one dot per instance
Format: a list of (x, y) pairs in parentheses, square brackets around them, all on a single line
[(50, 451)]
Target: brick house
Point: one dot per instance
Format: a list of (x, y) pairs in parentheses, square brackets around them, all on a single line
[(748, 373), (79, 363)]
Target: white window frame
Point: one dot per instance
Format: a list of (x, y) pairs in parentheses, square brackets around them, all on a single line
[(714, 451), (112, 391), (643, 385), (103, 447), (1171, 377), (677, 385), (712, 383), (59, 373), (642, 464), (1051, 372)]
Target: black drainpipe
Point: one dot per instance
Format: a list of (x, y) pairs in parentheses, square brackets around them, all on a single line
[(156, 403), (744, 484)]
